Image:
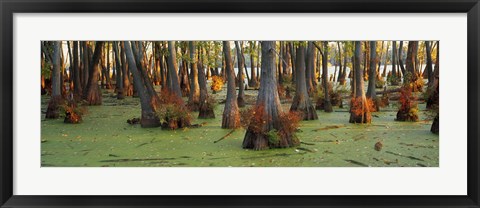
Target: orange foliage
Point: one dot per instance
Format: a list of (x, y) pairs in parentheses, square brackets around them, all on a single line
[(289, 122), (171, 110), (358, 107), (254, 118), (217, 83), (406, 98)]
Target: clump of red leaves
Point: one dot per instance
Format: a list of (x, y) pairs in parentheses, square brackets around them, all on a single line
[(73, 113), (289, 122), (254, 118), (408, 107), (406, 99), (358, 107), (171, 111)]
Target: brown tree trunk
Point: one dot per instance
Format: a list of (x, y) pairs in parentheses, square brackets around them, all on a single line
[(310, 67), (372, 76), (268, 98), (359, 112), (231, 114), (327, 104), (76, 79), (172, 77), (56, 98), (253, 76), (240, 64), (411, 75), (93, 95), (206, 105), (301, 101), (400, 58), (339, 77), (127, 86), (118, 68), (429, 64), (194, 96), (149, 118)]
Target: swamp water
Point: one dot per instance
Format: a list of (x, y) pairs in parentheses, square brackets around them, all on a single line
[(105, 139)]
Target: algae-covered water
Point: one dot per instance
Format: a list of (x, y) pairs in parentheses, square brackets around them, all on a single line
[(105, 139)]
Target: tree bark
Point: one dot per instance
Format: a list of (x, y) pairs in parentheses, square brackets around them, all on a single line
[(172, 77), (268, 98), (372, 76), (149, 118), (327, 104), (93, 95), (231, 114), (76, 79), (53, 105), (310, 67), (359, 112), (301, 101), (400, 58), (194, 96), (429, 64), (240, 64), (206, 106), (118, 68), (339, 76), (253, 77)]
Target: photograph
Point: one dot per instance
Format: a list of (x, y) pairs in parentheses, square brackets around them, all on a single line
[(239, 103)]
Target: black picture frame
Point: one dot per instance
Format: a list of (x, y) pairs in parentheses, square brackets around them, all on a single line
[(9, 7)]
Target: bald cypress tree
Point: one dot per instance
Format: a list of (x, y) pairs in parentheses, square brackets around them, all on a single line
[(194, 96), (258, 135), (301, 101), (359, 110), (240, 62), (327, 102), (172, 76), (231, 114), (93, 94), (53, 105), (149, 118)]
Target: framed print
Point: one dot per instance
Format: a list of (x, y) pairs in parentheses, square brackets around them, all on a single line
[(247, 104)]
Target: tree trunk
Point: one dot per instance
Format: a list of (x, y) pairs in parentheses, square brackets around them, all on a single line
[(231, 114), (194, 96), (400, 58), (76, 79), (384, 73), (206, 105), (149, 118), (269, 100), (86, 64), (183, 73), (118, 68), (172, 77), (292, 54), (93, 95), (301, 101), (253, 77), (240, 64), (327, 104), (411, 75), (339, 76), (429, 64), (53, 105), (127, 86), (310, 67), (372, 76), (359, 112)]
